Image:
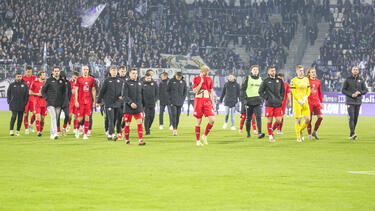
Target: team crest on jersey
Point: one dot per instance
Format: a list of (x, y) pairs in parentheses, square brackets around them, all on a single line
[(86, 82), (139, 83), (180, 82), (359, 81), (21, 85), (118, 81), (109, 109), (152, 84), (313, 85), (277, 81)]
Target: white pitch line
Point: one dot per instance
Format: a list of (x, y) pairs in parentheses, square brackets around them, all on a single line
[(362, 172)]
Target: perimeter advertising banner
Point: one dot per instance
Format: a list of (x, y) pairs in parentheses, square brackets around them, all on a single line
[(334, 103)]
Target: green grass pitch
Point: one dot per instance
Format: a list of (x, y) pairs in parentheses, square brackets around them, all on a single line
[(231, 173)]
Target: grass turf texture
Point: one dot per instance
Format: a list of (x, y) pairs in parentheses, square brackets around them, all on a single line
[(232, 172)]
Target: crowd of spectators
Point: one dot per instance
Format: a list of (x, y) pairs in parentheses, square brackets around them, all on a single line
[(122, 35), (352, 44)]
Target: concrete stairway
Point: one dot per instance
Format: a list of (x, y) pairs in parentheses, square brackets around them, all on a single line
[(313, 51)]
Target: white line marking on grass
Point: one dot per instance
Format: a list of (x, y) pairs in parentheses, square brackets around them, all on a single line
[(362, 172)]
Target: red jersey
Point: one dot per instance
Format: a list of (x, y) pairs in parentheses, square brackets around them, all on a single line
[(316, 95), (287, 91), (85, 85), (29, 80), (207, 83), (36, 87), (72, 85)]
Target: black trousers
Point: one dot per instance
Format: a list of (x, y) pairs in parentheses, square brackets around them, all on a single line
[(190, 102), (105, 120), (161, 114), (176, 112), (353, 111), (119, 120), (257, 110), (66, 118), (112, 114), (149, 117), (19, 119)]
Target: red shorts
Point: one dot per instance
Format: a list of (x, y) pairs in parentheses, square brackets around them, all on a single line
[(274, 112), (29, 106), (128, 117), (84, 110), (315, 109), (72, 108), (202, 106), (40, 110)]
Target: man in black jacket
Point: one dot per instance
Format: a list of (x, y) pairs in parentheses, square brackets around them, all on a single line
[(272, 91), (132, 94), (150, 95), (177, 91), (164, 100), (231, 93), (120, 125), (111, 95), (250, 93), (65, 106), (354, 88), (53, 92), (17, 98)]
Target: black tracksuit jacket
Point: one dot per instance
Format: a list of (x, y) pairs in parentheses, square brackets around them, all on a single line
[(17, 96), (272, 91)]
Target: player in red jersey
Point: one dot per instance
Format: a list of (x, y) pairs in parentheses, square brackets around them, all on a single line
[(40, 107), (29, 79), (315, 102), (287, 99), (203, 89), (85, 98), (72, 108)]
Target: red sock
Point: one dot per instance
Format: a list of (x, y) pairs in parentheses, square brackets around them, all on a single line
[(317, 123), (32, 119), (86, 126), (281, 125), (254, 124), (140, 131), (26, 122), (70, 121), (58, 129), (198, 132), (208, 129), (37, 124), (309, 128), (269, 128), (64, 126), (126, 131), (76, 124), (41, 126), (275, 125), (241, 123)]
